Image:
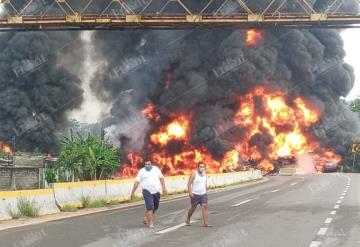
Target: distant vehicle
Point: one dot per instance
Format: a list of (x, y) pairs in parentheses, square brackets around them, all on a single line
[(330, 166)]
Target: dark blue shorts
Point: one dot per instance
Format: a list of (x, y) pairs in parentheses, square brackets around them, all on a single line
[(151, 200), (199, 199)]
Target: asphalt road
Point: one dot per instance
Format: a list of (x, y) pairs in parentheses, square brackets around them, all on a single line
[(313, 210)]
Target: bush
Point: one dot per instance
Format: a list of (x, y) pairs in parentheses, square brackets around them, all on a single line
[(85, 201), (69, 208), (98, 203), (50, 176), (25, 208), (89, 158)]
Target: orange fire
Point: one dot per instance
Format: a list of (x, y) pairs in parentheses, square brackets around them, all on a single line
[(274, 128), (5, 149), (253, 37), (176, 130), (149, 112)]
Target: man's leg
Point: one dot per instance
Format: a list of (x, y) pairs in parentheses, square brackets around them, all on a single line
[(194, 202), (190, 213), (205, 214), (156, 199), (149, 204), (205, 210), (150, 218)]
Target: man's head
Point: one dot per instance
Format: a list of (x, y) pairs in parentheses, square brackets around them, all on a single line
[(201, 167), (148, 165)]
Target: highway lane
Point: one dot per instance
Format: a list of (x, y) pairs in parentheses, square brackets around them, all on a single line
[(283, 211)]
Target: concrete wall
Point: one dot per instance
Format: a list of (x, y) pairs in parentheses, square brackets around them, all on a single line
[(121, 189), (5, 178), (19, 178), (71, 193)]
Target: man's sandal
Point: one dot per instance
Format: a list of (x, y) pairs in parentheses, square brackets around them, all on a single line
[(150, 226)]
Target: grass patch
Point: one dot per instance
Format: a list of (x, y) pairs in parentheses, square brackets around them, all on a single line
[(25, 208), (85, 201), (69, 208), (97, 203)]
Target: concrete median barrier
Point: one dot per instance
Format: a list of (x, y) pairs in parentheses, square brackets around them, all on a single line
[(291, 171), (120, 190), (50, 200), (223, 179), (72, 193), (176, 184), (42, 199)]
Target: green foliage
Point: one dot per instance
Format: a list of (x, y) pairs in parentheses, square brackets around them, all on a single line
[(25, 208), (69, 208), (98, 203), (85, 201), (89, 159), (354, 105), (50, 176)]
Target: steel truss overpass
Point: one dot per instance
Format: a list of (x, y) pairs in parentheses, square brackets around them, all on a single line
[(118, 14)]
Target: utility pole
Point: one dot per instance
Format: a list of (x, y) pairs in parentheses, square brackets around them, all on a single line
[(352, 170)]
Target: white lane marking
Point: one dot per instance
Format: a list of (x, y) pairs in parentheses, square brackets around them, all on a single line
[(294, 184), (315, 244), (341, 197), (322, 231), (328, 220), (339, 201), (333, 212), (172, 228), (343, 194), (241, 203), (274, 191), (337, 206)]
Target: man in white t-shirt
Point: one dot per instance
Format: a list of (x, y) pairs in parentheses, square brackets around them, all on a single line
[(150, 180)]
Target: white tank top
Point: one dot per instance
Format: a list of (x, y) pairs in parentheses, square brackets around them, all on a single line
[(199, 184)]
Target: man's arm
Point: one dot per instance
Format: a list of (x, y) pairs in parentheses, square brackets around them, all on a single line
[(190, 181), (136, 185), (162, 181)]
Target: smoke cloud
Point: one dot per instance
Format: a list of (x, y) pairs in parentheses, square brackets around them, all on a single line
[(35, 92), (209, 68)]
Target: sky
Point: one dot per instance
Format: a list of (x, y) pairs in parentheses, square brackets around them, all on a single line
[(351, 44)]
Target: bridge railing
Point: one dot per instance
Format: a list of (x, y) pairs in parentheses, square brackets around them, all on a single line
[(174, 12)]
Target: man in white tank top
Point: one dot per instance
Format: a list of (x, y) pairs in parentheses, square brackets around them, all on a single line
[(197, 188)]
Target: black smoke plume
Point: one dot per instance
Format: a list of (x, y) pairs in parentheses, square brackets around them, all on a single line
[(35, 90), (308, 63)]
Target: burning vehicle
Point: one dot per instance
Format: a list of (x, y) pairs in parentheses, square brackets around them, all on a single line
[(330, 166)]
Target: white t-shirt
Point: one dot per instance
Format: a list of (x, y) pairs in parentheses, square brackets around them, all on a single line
[(150, 180)]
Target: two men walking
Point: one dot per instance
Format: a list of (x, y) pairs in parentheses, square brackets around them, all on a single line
[(151, 180)]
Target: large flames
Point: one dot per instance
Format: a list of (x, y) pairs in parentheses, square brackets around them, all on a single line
[(4, 148), (265, 117)]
